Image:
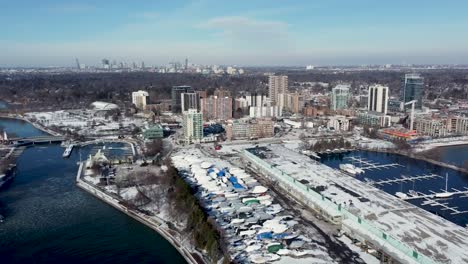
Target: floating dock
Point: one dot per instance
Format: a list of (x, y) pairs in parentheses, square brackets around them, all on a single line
[(68, 151), (404, 179), (366, 164)]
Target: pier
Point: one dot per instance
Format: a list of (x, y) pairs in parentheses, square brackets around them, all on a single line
[(366, 164), (405, 179)]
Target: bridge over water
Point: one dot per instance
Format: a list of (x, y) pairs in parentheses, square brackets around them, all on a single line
[(24, 141)]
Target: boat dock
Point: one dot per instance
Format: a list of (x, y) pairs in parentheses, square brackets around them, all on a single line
[(68, 151), (366, 164), (420, 195), (405, 179)]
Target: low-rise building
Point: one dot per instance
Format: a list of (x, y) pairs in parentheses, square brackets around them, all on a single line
[(432, 127), (249, 129), (153, 132), (374, 119)]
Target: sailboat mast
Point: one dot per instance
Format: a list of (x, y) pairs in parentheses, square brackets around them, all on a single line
[(446, 181)]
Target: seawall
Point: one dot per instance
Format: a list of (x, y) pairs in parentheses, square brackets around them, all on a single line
[(140, 217)]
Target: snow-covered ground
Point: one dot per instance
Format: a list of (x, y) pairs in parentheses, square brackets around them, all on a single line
[(84, 122)]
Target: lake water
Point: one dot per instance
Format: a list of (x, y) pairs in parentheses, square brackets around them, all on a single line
[(50, 220)]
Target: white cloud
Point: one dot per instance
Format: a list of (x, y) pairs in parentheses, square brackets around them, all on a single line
[(248, 32)]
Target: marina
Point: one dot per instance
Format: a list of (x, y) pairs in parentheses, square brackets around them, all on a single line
[(362, 209), (414, 181)]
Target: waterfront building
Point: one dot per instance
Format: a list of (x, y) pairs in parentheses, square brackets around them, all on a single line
[(412, 89), (153, 132), (432, 127), (374, 119), (457, 125), (176, 96), (277, 85), (461, 126), (216, 108), (249, 129), (190, 100), (339, 97), (192, 126), (139, 99), (378, 98)]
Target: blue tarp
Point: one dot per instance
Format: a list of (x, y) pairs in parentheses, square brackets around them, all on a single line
[(234, 182), (210, 170), (280, 236), (221, 173), (237, 186), (233, 179), (265, 235)]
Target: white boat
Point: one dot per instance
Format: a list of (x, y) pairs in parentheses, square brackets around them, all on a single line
[(445, 194), (401, 195), (348, 168)]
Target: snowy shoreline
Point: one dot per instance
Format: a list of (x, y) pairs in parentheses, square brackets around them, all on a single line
[(140, 217)]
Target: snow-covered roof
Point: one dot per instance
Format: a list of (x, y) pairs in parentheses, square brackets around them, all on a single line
[(103, 106)]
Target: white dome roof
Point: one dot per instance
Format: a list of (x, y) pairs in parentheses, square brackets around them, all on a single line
[(103, 106)]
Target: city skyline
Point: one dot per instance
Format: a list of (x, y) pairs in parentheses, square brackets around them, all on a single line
[(54, 33)]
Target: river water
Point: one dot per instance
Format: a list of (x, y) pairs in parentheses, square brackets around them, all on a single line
[(410, 168), (50, 220)]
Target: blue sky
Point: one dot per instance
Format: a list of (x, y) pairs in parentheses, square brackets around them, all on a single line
[(254, 32)]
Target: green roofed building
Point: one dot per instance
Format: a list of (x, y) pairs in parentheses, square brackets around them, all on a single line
[(153, 132)]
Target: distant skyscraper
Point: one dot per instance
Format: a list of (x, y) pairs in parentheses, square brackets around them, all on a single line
[(186, 63), (176, 96), (139, 99), (277, 85), (339, 97), (105, 64), (190, 101), (412, 88), (77, 63), (377, 100), (193, 126), (142, 65)]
